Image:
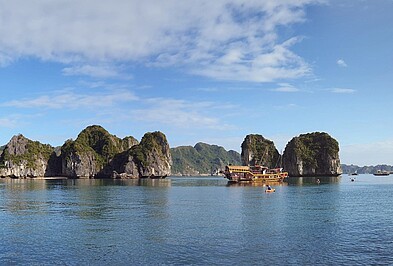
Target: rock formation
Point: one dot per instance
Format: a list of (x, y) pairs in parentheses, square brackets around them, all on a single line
[(313, 154), (90, 154), (94, 154), (256, 150), (202, 159), (23, 158), (150, 158)]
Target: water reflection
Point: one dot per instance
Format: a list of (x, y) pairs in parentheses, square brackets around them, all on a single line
[(298, 181), (44, 184), (75, 198), (256, 184), (312, 180), (198, 181)]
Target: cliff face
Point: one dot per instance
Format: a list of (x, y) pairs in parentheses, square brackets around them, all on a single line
[(23, 158), (150, 158), (256, 150), (94, 154), (202, 159), (89, 155), (313, 154)]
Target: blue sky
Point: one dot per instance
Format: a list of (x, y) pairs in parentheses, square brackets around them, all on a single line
[(210, 71)]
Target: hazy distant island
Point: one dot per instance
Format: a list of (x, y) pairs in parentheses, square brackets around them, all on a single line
[(98, 154), (351, 169)]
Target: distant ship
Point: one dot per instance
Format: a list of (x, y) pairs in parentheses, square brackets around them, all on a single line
[(237, 173), (380, 172)]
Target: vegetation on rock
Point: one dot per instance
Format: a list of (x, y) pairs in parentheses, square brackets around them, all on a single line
[(151, 142), (97, 153), (21, 150), (150, 158), (95, 143), (256, 150), (312, 154), (104, 145), (202, 159)]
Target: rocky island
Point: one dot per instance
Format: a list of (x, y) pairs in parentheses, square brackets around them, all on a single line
[(98, 154), (94, 154), (256, 150), (312, 154), (202, 159)]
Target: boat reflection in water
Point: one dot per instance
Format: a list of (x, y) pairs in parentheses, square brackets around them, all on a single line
[(256, 184), (312, 180)]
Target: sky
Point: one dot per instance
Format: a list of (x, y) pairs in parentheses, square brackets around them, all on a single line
[(200, 71)]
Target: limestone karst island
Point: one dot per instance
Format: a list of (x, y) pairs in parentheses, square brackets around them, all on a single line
[(96, 153)]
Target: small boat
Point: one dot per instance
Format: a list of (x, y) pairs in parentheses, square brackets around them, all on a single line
[(270, 190), (381, 173), (236, 173)]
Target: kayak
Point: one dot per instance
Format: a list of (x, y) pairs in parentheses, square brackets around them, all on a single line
[(271, 190)]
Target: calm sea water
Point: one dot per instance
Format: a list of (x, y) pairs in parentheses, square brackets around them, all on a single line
[(196, 221)]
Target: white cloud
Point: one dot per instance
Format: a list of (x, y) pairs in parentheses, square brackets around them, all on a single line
[(181, 113), (342, 90), (286, 87), (96, 71), (222, 39), (69, 99), (341, 63), (286, 107), (275, 63), (5, 59), (7, 122), (116, 104), (16, 120)]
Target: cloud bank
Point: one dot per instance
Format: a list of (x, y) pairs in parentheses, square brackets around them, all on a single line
[(221, 39)]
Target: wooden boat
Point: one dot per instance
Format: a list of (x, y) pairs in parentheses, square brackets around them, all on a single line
[(236, 173)]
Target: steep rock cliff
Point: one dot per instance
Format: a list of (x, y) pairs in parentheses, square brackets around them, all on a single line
[(256, 150), (312, 154), (23, 158), (91, 153), (150, 158)]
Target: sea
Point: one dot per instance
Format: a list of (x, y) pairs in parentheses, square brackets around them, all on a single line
[(197, 221)]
